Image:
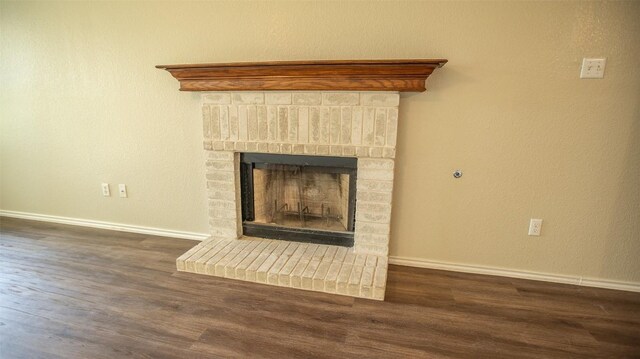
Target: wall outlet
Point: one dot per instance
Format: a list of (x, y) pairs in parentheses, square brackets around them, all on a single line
[(105, 190), (122, 189), (592, 68), (535, 227)]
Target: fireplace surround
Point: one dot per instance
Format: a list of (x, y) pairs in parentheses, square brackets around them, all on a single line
[(300, 168)]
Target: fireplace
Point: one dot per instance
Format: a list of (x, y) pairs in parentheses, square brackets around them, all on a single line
[(300, 168), (298, 198)]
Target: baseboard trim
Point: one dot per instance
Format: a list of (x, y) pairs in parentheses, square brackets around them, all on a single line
[(545, 277), (105, 225), (403, 261)]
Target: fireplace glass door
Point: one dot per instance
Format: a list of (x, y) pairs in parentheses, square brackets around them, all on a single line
[(299, 198)]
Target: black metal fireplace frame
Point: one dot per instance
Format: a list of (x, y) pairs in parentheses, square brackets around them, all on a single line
[(249, 161)]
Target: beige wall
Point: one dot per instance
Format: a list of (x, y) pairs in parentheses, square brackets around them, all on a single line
[(81, 104)]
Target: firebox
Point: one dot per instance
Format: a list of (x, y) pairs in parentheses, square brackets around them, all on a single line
[(299, 198)]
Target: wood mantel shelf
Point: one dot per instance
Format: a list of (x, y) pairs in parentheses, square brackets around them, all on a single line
[(332, 75)]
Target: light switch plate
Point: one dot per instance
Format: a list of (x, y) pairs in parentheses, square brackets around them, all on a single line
[(592, 68)]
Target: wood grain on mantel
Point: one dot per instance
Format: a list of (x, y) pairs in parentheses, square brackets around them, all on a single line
[(333, 75)]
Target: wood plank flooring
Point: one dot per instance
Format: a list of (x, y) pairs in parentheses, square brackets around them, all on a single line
[(73, 292)]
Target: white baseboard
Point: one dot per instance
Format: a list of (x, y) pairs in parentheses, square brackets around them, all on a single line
[(545, 277), (404, 261), (105, 225)]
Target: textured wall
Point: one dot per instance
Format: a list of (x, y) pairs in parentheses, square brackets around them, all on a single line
[(81, 103)]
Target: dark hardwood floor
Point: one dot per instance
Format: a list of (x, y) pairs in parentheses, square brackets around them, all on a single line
[(73, 292)]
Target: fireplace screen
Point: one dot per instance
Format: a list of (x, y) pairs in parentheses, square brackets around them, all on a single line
[(299, 198)]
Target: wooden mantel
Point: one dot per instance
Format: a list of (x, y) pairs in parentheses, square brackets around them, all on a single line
[(332, 75)]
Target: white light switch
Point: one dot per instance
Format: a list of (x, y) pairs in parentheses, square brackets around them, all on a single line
[(122, 189), (592, 68)]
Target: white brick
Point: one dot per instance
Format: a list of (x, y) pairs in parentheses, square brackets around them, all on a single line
[(303, 125), (307, 275), (335, 125), (252, 147), (309, 149), (215, 122), (325, 125), (223, 176), (224, 232), (252, 123), (380, 175), (348, 151), (293, 124), (218, 98), (274, 148), (283, 123), (224, 122), (374, 185), (368, 126), (277, 98), (375, 152), (240, 146), (379, 250), (380, 197), (331, 277), (223, 223), (366, 282), (263, 129), (218, 204), (213, 165), (371, 163), (356, 126), (243, 122), (298, 149), (223, 195), (373, 228), (246, 98), (322, 150), (320, 274), (217, 155), (378, 217), (316, 116), (345, 127), (392, 126), (223, 213), (307, 98), (343, 278), (340, 98), (241, 269), (354, 280), (380, 127), (233, 123), (389, 152), (371, 239), (218, 145), (272, 122), (362, 151), (380, 99)]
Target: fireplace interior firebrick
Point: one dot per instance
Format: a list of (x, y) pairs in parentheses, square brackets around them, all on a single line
[(299, 198)]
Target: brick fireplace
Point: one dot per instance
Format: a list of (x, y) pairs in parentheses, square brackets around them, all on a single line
[(314, 109)]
